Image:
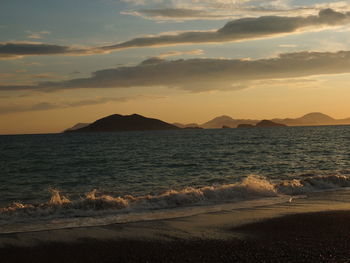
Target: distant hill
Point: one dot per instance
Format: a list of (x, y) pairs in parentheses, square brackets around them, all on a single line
[(77, 126), (219, 122), (316, 117), (137, 122), (132, 122), (310, 119), (267, 123), (262, 124)]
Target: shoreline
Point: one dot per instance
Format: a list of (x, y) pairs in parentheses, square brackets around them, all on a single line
[(304, 237), (312, 229)]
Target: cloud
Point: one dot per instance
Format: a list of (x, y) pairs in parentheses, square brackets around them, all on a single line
[(18, 50), (198, 75), (42, 106), (181, 10), (135, 2), (242, 29), (22, 49), (179, 53), (174, 12), (37, 35), (178, 14), (287, 45), (22, 108), (236, 30), (183, 14)]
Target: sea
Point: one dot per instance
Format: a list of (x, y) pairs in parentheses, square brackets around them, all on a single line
[(50, 181)]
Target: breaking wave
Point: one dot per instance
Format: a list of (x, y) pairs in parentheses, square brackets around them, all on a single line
[(97, 204), (250, 188)]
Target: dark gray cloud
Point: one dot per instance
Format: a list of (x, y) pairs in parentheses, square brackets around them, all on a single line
[(9, 50), (236, 30), (20, 49), (241, 29), (198, 75)]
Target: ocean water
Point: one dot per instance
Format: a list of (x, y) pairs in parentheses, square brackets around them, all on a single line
[(61, 180)]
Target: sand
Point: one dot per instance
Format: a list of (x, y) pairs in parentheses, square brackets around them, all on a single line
[(307, 237), (291, 232)]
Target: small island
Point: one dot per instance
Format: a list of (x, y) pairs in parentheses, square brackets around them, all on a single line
[(262, 124), (267, 123)]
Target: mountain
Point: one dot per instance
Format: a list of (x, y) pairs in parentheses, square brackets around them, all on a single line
[(189, 125), (316, 117), (312, 119), (262, 124), (137, 122), (132, 122), (77, 126), (267, 123), (219, 122)]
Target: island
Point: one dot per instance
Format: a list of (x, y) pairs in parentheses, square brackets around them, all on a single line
[(267, 123), (134, 122), (262, 124)]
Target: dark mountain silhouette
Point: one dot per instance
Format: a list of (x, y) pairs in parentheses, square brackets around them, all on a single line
[(137, 122), (267, 123), (262, 124), (78, 126), (310, 119), (133, 122), (219, 122)]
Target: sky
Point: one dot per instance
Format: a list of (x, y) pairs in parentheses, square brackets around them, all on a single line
[(69, 61)]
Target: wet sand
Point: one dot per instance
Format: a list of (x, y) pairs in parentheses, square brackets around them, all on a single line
[(304, 237)]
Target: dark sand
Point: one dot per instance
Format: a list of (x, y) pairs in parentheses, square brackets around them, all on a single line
[(309, 237)]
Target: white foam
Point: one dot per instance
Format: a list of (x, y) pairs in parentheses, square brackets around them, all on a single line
[(95, 205)]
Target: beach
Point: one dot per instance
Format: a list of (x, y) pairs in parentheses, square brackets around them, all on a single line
[(310, 237), (305, 230)]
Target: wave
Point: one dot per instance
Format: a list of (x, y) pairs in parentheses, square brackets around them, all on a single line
[(250, 187), (312, 184), (95, 204)]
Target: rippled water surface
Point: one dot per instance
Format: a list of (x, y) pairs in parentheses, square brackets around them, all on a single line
[(165, 169), (141, 163)]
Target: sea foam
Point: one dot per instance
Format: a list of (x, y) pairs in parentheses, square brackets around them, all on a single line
[(97, 204)]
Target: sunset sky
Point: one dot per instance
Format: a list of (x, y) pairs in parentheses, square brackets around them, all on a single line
[(69, 61)]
